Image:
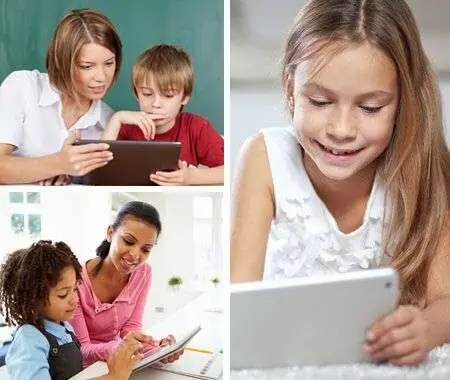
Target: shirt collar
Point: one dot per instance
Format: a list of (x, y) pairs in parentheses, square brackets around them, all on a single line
[(92, 116), (56, 329), (49, 95)]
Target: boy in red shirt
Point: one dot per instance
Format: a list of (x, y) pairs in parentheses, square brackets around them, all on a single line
[(162, 82)]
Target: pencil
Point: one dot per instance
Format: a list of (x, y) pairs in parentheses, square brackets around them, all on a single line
[(198, 350)]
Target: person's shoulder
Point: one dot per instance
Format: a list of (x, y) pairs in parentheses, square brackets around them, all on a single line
[(30, 335), (26, 80), (254, 146), (194, 121)]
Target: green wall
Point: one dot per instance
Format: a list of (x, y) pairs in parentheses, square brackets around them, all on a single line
[(27, 25)]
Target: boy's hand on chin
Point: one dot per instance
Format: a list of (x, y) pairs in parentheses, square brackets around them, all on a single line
[(180, 177), (143, 120)]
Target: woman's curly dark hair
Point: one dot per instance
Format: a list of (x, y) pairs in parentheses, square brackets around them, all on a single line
[(26, 277)]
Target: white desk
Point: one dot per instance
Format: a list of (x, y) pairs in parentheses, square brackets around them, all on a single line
[(204, 310)]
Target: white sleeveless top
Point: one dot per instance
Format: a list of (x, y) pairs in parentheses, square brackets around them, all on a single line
[(304, 237)]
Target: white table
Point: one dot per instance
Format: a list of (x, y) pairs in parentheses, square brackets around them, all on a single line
[(436, 367)]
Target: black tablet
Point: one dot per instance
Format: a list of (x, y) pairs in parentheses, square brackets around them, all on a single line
[(133, 162)]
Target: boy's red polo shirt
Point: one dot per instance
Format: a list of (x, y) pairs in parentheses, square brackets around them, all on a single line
[(200, 143)]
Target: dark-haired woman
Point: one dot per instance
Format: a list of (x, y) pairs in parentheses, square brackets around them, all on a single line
[(116, 283)]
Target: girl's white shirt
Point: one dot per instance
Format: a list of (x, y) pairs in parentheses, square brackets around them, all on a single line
[(304, 237)]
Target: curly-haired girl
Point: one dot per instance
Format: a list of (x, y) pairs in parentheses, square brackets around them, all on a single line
[(38, 293)]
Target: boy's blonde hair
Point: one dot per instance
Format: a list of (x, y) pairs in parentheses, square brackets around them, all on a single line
[(168, 67), (77, 28), (415, 165)]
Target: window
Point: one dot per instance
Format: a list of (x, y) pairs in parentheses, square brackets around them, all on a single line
[(25, 213), (207, 226)]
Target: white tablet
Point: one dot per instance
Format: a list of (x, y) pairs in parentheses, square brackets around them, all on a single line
[(100, 368), (308, 321)]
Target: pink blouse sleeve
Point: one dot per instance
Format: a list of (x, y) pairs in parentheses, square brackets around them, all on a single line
[(90, 352), (139, 298)]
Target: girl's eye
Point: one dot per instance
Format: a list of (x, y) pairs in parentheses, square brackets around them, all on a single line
[(63, 296), (318, 103), (128, 242), (109, 63), (147, 94), (371, 109), (85, 67)]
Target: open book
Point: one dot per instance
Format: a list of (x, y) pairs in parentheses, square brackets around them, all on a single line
[(199, 365), (153, 356)]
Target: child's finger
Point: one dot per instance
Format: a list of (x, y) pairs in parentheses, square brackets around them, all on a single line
[(411, 359), (396, 350), (144, 128), (151, 126), (400, 317), (162, 183), (168, 175), (389, 338)]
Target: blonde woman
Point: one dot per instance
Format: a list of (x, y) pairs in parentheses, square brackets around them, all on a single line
[(362, 177), (42, 114)]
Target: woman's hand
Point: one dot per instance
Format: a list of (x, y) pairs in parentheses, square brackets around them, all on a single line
[(77, 160), (400, 338), (122, 360), (142, 339), (168, 340), (59, 180)]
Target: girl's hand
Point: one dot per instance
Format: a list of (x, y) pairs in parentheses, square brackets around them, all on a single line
[(144, 120), (122, 360), (178, 177), (170, 339), (77, 160), (400, 338)]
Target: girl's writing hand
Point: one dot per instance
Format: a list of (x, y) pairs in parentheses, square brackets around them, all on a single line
[(122, 360), (400, 337)]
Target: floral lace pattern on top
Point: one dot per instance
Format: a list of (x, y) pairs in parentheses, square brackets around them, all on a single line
[(304, 238)]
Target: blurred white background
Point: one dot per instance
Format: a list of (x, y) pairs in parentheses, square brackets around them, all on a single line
[(258, 32)]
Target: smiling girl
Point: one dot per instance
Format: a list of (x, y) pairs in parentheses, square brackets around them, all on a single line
[(362, 177), (38, 293)]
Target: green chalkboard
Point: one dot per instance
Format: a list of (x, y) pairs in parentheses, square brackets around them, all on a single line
[(26, 27)]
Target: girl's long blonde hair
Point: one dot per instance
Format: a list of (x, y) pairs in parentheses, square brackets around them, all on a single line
[(416, 165)]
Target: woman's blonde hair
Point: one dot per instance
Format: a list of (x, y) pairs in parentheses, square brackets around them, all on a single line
[(415, 165), (77, 28)]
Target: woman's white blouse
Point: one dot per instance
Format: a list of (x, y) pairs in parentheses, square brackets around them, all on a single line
[(30, 115)]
